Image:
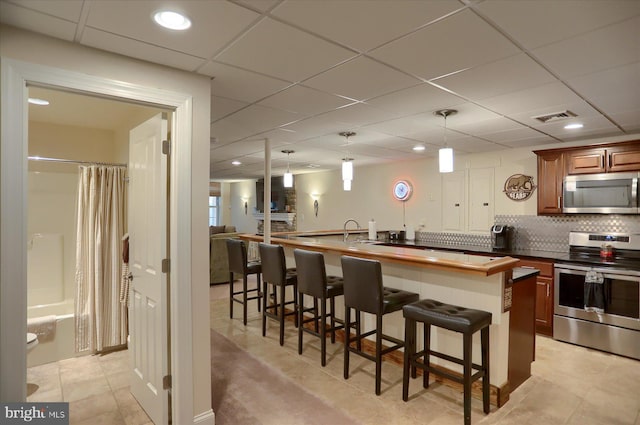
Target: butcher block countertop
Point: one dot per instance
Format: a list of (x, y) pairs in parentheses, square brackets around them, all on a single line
[(331, 241)]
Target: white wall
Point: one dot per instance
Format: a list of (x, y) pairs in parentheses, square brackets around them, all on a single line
[(238, 194), (32, 48)]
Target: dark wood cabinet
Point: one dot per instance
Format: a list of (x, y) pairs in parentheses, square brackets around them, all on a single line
[(585, 161), (555, 164), (623, 158), (544, 295), (550, 175)]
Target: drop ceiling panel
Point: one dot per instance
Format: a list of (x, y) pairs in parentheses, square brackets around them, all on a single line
[(320, 124), (222, 106), (420, 98), (593, 125), (594, 51), (357, 114), (628, 120), (262, 5), (125, 46), (282, 51), (214, 23), (304, 100), (458, 42), (361, 79), (500, 77), (511, 135), (471, 145), (347, 23), (68, 10), (262, 118), (402, 126), (227, 131), (612, 89), (535, 23), (239, 84), (59, 27), (492, 125), (544, 99)]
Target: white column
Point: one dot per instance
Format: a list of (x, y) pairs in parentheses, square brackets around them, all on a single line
[(267, 191)]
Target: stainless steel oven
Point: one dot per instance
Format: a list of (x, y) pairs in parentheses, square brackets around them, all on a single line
[(613, 326)]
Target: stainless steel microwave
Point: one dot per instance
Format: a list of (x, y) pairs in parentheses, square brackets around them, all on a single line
[(610, 193)]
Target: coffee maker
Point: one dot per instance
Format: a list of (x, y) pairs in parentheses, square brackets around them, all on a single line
[(501, 236)]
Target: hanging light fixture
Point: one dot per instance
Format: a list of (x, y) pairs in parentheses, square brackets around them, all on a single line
[(445, 154), (347, 163), (288, 177)]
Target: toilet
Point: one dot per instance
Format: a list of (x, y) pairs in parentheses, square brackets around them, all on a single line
[(32, 341)]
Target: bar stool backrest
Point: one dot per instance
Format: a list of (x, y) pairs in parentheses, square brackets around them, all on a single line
[(274, 266), (237, 251), (312, 274), (362, 284)]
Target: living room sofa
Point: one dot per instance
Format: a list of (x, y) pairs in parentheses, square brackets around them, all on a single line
[(218, 256)]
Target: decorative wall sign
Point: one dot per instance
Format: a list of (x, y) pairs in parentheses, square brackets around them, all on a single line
[(402, 190), (519, 187)]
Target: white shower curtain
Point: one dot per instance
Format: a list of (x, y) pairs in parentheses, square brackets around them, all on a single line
[(101, 320)]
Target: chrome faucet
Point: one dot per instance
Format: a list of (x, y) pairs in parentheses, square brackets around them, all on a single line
[(346, 233)]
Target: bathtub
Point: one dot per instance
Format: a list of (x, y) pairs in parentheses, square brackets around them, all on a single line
[(62, 345)]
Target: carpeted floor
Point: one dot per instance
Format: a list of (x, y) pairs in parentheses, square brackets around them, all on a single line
[(247, 391)]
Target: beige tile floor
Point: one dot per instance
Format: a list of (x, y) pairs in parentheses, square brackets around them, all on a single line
[(96, 387), (569, 384)]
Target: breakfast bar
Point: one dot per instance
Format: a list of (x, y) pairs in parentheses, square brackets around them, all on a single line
[(478, 282)]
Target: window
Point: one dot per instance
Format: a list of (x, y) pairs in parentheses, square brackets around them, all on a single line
[(214, 203)]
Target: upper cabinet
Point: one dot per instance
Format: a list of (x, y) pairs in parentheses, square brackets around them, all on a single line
[(555, 164), (550, 175), (609, 159)]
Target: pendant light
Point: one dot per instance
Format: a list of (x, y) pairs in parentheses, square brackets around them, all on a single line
[(288, 177), (347, 163), (445, 154)]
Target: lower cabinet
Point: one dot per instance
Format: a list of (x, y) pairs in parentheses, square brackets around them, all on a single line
[(544, 295)]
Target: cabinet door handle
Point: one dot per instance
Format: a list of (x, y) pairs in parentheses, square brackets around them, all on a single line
[(486, 204), (602, 162), (559, 201), (456, 205), (547, 291), (610, 161)]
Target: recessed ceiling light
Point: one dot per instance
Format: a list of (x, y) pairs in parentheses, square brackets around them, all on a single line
[(236, 163), (419, 148), (172, 20), (36, 101), (573, 126)]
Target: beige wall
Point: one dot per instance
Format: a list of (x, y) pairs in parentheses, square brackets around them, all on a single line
[(52, 190), (371, 196), (33, 48)]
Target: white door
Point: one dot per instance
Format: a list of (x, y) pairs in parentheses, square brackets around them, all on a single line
[(453, 208), (481, 199), (148, 301)]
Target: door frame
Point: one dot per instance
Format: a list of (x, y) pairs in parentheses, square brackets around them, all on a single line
[(16, 75)]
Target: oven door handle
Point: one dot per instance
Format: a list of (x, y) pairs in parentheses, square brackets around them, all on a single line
[(604, 271)]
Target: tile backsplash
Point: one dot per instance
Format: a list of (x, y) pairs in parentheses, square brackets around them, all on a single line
[(541, 233)]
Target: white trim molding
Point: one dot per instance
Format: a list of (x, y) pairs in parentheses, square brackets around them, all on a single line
[(16, 75), (205, 418)]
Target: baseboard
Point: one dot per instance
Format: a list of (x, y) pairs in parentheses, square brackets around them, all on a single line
[(205, 418)]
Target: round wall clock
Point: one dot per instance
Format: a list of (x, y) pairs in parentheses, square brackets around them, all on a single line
[(402, 190)]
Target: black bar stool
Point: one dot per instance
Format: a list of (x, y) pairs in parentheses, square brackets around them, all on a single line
[(363, 291), (457, 319), (313, 281), (276, 274), (239, 264)]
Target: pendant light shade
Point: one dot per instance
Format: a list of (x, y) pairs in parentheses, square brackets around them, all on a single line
[(288, 176), (347, 163), (347, 169), (445, 154), (445, 160)]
